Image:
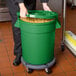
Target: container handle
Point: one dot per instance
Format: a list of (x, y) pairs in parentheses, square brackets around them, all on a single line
[(58, 24), (17, 24)]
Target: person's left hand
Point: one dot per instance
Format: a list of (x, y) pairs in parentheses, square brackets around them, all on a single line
[(46, 7)]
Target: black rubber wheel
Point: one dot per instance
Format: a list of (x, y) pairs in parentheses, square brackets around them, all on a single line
[(72, 7), (30, 70), (54, 63), (62, 47), (48, 71)]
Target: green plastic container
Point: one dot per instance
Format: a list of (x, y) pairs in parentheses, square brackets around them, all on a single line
[(38, 38)]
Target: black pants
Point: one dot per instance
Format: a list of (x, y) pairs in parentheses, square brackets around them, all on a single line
[(13, 9)]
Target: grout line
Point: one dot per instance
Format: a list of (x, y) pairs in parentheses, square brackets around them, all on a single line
[(39, 73), (20, 72), (10, 62), (63, 71), (28, 73), (9, 59), (69, 63), (25, 72), (70, 71), (59, 73), (8, 56), (24, 69)]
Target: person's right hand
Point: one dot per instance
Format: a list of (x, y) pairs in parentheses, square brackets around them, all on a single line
[(23, 10), (46, 7)]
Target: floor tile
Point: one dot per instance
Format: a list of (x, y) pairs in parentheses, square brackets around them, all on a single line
[(43, 73), (60, 74), (6, 72), (18, 69), (35, 73), (72, 73), (20, 74)]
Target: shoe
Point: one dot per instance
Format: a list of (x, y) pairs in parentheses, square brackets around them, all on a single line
[(17, 60)]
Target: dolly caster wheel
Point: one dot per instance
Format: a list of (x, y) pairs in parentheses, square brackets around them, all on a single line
[(62, 47), (72, 7), (48, 71), (55, 63), (29, 70)]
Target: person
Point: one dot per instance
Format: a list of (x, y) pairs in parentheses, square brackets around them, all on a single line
[(23, 6)]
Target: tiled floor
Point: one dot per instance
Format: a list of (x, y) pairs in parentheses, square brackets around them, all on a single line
[(66, 62)]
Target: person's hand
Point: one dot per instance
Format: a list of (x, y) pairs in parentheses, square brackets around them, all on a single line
[(23, 10), (46, 7)]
